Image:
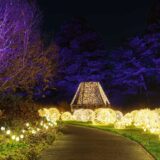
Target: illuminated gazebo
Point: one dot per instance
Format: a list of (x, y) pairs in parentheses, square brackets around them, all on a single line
[(89, 95)]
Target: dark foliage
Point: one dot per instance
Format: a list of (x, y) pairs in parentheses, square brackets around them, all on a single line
[(81, 57), (127, 72)]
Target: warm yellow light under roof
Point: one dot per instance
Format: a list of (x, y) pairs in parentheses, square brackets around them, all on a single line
[(89, 94)]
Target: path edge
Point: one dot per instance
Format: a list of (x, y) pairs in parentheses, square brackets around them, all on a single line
[(93, 127)]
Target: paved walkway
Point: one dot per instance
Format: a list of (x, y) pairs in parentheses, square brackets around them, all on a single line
[(81, 143)]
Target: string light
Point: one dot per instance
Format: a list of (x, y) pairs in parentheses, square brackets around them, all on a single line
[(3, 128), (146, 119), (13, 137), (38, 129), (27, 124), (66, 116), (23, 131), (30, 130), (21, 136), (17, 139), (105, 116), (84, 115), (33, 132), (8, 132)]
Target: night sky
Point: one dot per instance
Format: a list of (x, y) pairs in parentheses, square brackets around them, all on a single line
[(115, 20)]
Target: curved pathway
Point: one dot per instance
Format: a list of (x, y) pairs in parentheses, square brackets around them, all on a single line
[(82, 143)]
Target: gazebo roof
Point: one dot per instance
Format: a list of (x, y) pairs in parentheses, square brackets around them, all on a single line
[(89, 94)]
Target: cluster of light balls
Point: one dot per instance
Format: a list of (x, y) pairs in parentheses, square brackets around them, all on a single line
[(26, 131), (146, 119), (102, 115)]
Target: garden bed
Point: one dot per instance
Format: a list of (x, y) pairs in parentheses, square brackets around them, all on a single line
[(26, 147)]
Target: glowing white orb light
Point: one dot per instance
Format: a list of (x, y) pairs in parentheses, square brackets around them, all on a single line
[(119, 115), (105, 116), (66, 116), (51, 114), (84, 115)]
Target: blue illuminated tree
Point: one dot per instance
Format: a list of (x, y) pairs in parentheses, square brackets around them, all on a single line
[(136, 66), (81, 56)]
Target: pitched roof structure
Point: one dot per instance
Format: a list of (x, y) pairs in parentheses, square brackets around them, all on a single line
[(89, 95)]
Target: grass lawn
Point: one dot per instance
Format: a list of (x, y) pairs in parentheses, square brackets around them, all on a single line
[(150, 142)]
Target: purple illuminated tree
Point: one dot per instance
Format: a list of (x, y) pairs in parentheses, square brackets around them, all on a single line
[(136, 66), (128, 72), (23, 60), (81, 55)]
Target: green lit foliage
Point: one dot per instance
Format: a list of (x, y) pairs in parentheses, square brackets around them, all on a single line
[(28, 148)]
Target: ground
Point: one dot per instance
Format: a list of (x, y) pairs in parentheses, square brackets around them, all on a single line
[(79, 143)]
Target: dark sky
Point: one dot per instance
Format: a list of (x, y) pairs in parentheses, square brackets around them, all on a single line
[(115, 20)]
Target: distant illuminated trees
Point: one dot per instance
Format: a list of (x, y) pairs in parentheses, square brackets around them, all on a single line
[(23, 60), (81, 55), (135, 67), (128, 72)]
